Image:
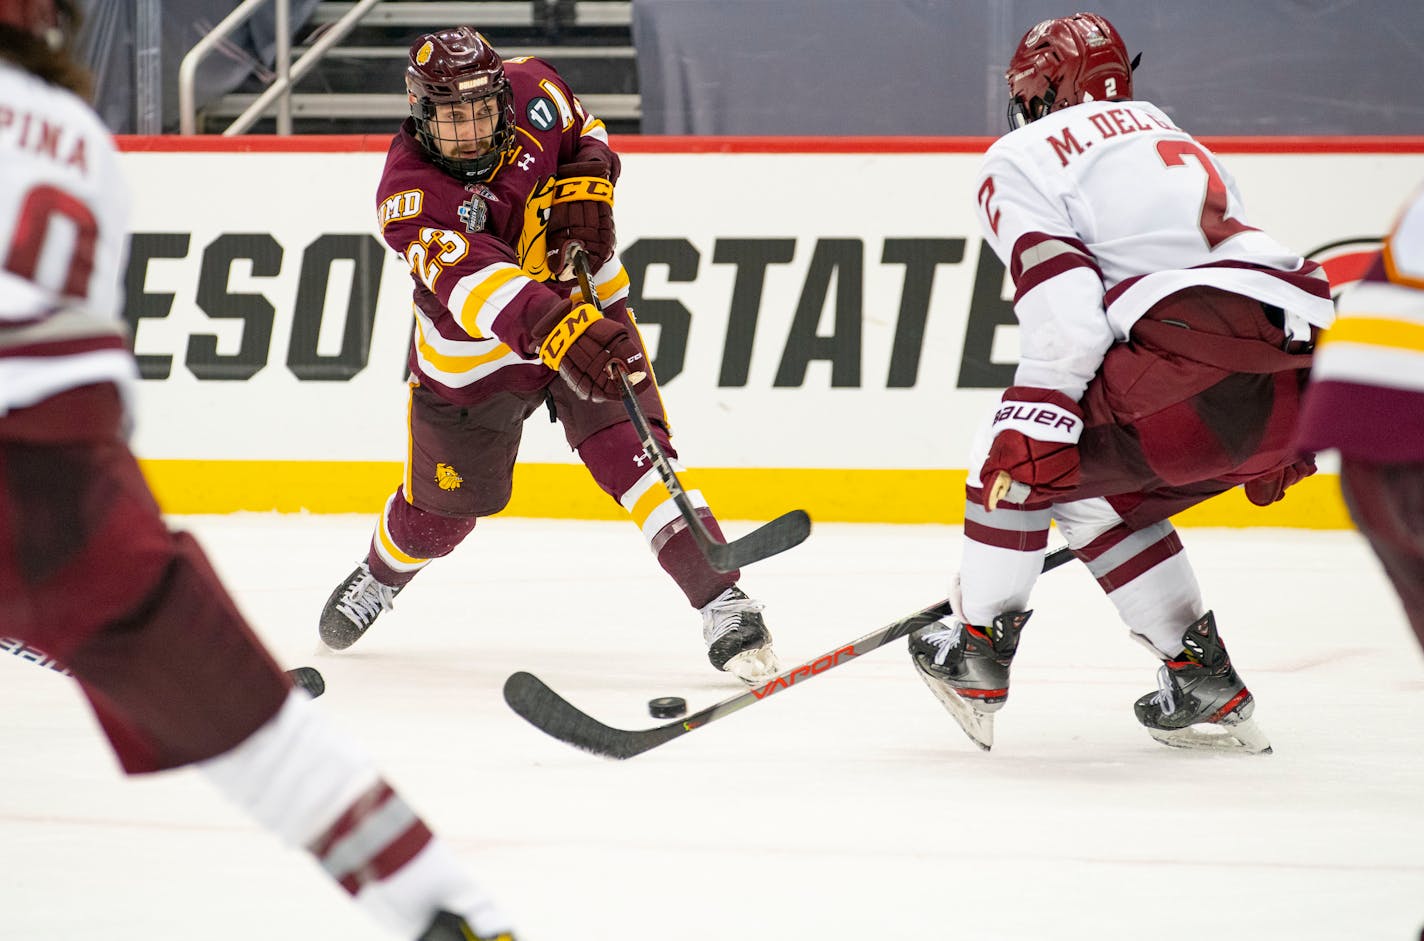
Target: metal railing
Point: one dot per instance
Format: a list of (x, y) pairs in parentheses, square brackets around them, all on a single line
[(288, 72), (341, 18)]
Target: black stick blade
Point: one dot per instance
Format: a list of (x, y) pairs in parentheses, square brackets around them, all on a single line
[(550, 713), (309, 679), (785, 532)]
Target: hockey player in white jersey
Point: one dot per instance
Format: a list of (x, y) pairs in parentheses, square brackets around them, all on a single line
[(90, 573), (1164, 344)]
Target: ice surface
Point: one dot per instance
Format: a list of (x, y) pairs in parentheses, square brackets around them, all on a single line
[(846, 809)]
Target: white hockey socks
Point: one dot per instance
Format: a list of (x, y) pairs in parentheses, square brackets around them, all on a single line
[(315, 788)]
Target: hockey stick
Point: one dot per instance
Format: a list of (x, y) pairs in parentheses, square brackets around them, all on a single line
[(782, 533), (550, 713), (307, 678)]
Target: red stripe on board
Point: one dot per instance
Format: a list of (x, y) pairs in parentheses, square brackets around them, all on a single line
[(255, 143), (671, 144)]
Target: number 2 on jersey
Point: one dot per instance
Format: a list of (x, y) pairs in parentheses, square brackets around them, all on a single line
[(1216, 226)]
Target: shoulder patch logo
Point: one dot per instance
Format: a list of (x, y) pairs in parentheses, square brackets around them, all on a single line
[(541, 113), (403, 205), (446, 477)]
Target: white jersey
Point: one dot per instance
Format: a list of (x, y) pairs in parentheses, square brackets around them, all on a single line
[(1104, 208), (64, 219)]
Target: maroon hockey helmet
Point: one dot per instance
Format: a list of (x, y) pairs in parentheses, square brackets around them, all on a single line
[(1065, 62), (43, 19), (456, 67)]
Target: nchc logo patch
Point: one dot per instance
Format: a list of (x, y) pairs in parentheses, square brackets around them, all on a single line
[(474, 213)]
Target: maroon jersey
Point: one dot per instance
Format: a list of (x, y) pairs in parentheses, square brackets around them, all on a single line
[(477, 250)]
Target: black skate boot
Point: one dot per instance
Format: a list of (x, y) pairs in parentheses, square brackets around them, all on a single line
[(967, 668), (353, 607), (1200, 690), (737, 639), (448, 927)]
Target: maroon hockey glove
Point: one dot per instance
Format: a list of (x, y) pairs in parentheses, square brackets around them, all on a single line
[(1263, 491), (582, 212), (582, 345), (1035, 442)]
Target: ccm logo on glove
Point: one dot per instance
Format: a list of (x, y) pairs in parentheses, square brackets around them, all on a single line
[(582, 346), (581, 214)]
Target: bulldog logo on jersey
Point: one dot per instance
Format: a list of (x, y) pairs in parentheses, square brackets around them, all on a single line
[(446, 477)]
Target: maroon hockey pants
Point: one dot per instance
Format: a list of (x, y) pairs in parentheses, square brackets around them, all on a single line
[(1386, 502), (90, 574), (1204, 397)]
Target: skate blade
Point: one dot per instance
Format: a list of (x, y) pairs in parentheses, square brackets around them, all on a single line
[(977, 723), (755, 666), (1243, 736)]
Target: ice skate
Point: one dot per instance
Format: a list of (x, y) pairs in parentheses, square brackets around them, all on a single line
[(967, 668), (737, 639), (353, 607), (1201, 701), (448, 927)]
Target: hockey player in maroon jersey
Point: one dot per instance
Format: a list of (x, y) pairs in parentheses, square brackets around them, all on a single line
[(1164, 344), (1366, 399), (496, 175), (90, 573)]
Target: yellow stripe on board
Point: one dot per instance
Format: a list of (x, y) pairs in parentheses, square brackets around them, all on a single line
[(566, 491)]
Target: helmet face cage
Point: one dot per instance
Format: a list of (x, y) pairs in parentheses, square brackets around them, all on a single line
[(461, 103), (1064, 62)]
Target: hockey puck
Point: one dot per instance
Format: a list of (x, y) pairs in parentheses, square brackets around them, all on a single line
[(307, 678), (667, 707)]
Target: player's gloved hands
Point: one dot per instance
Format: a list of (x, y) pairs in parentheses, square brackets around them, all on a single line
[(1263, 491), (582, 346), (1035, 442), (582, 212)]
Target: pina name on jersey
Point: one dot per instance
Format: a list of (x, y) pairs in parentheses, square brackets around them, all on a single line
[(1114, 122), (26, 131)]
